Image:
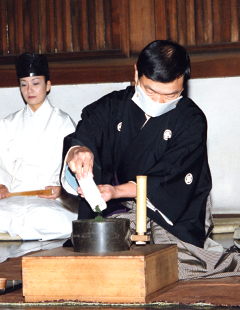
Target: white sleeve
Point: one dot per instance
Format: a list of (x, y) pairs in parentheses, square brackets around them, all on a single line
[(67, 178), (88, 186)]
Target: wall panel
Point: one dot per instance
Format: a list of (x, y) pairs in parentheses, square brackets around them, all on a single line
[(79, 31), (64, 28), (142, 24)]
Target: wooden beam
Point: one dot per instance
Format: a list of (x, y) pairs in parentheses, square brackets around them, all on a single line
[(215, 65), (122, 70)]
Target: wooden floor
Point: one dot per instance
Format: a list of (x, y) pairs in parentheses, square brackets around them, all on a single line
[(192, 294)]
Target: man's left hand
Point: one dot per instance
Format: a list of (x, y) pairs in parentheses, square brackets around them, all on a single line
[(107, 191)]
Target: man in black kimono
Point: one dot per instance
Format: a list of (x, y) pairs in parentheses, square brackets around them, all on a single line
[(151, 130)]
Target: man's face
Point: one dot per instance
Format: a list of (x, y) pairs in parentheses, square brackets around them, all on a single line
[(160, 92)]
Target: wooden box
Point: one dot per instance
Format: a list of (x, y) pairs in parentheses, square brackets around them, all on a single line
[(133, 276)]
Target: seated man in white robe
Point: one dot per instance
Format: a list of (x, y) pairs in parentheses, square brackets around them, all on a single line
[(30, 159)]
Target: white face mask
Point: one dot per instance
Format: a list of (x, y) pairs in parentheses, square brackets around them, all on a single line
[(151, 107)]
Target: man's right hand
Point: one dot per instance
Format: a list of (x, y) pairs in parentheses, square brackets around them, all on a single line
[(4, 193), (80, 161)]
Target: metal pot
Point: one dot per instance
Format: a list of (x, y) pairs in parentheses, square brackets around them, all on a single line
[(110, 235)]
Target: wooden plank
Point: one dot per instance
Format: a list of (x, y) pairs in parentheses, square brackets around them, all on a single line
[(50, 38), (27, 26), (91, 24), (83, 30), (217, 26), (220, 292), (92, 72), (100, 27), (226, 20), (75, 21), (124, 27), (84, 278), (182, 25), (142, 30), (99, 278), (172, 19), (208, 27), (107, 8), (115, 24), (215, 66), (12, 267), (161, 20), (3, 29), (43, 23), (67, 31), (199, 22), (59, 25), (11, 26), (19, 27), (234, 20), (190, 16), (35, 22), (157, 266)]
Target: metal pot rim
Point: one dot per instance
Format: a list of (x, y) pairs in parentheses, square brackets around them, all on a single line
[(106, 220)]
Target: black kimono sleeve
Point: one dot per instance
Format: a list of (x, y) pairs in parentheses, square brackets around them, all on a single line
[(95, 131)]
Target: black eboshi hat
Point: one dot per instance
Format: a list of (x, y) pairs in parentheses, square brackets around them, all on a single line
[(29, 64)]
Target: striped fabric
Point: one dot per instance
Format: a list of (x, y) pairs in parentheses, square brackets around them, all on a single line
[(193, 262)]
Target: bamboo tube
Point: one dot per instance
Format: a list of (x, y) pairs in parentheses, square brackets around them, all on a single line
[(141, 222)]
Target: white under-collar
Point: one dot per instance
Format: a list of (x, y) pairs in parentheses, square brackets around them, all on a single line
[(30, 111), (147, 118)]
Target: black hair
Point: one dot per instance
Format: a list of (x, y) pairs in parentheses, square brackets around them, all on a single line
[(164, 61)]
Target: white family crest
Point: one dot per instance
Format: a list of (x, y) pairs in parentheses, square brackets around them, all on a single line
[(167, 134), (188, 178), (119, 126)]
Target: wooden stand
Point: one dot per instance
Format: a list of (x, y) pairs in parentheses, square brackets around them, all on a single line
[(140, 239), (133, 276)]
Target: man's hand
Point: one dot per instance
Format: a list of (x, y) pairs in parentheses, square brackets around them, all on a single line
[(56, 192), (80, 161), (4, 193), (108, 192)]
